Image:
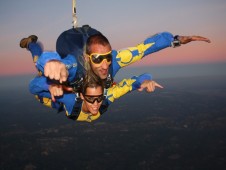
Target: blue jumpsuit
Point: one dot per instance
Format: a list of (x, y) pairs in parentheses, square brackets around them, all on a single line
[(120, 59), (71, 103)]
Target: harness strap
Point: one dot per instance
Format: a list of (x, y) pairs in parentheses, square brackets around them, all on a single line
[(76, 109), (74, 17)]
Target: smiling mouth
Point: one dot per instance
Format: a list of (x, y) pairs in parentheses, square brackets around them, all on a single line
[(95, 108), (104, 71)]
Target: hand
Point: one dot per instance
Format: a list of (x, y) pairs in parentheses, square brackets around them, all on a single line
[(58, 90), (187, 39), (149, 85), (56, 70)]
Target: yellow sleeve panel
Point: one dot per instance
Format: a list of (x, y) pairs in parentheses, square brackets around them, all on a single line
[(120, 89), (132, 54), (46, 101), (35, 59)]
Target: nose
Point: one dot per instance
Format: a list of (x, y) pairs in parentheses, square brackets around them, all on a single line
[(105, 64), (95, 103)]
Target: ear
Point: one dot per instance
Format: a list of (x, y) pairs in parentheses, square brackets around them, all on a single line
[(86, 57), (82, 97)]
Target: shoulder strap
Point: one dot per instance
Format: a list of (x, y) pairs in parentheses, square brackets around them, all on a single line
[(76, 109), (103, 107), (109, 80)]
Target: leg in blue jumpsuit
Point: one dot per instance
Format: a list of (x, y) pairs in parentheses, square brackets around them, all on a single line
[(71, 41), (30, 43)]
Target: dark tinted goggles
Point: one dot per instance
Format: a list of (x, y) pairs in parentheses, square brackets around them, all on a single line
[(92, 99), (99, 58)]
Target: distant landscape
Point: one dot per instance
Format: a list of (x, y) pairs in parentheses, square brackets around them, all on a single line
[(182, 126)]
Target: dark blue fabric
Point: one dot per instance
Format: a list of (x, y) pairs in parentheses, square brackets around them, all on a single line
[(35, 49), (73, 40)]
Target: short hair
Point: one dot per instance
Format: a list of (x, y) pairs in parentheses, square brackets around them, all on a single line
[(91, 81), (96, 39)]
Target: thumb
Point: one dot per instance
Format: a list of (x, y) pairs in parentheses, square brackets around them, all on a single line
[(66, 88), (140, 89)]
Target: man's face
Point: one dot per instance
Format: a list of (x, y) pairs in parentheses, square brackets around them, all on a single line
[(92, 95), (101, 69)]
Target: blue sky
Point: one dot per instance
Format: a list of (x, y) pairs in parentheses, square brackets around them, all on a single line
[(124, 22)]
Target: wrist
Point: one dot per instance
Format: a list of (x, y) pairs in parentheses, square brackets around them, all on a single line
[(176, 41)]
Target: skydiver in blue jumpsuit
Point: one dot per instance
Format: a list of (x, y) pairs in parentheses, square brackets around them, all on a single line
[(72, 102), (119, 58), (40, 87), (67, 44)]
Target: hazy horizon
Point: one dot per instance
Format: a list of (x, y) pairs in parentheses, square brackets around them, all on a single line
[(133, 22), (162, 71)]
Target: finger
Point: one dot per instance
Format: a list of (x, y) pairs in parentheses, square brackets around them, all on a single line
[(50, 74), (66, 88), (199, 38), (46, 71), (60, 92), (150, 89), (203, 39), (140, 89), (63, 75), (63, 79), (56, 75), (207, 40), (158, 85), (53, 98)]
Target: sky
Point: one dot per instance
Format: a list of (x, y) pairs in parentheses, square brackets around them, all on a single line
[(125, 23)]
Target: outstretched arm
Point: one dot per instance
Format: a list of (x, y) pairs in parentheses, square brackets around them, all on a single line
[(152, 44), (127, 85)]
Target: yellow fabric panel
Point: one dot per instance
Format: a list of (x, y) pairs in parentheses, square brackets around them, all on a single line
[(39, 73), (127, 56), (66, 111), (35, 58), (120, 89), (88, 117), (46, 101)]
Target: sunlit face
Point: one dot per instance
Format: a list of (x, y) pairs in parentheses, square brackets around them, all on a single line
[(93, 108), (101, 69)]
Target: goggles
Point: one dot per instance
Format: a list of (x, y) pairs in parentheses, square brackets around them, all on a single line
[(99, 58), (92, 99)]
